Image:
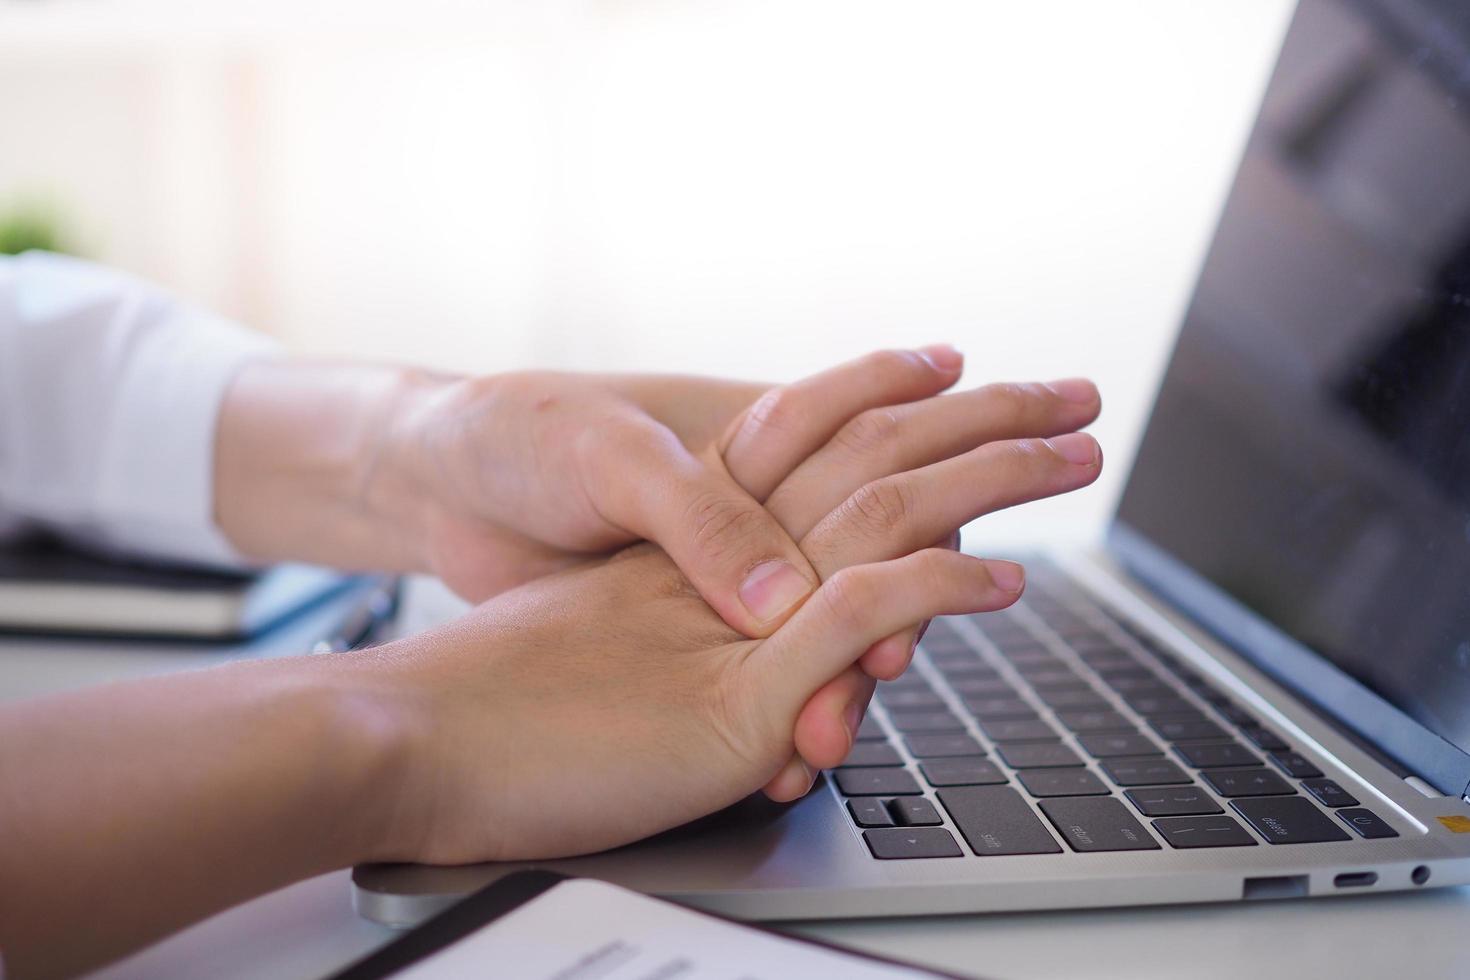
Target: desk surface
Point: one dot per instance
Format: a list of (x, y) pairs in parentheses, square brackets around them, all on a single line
[(309, 929)]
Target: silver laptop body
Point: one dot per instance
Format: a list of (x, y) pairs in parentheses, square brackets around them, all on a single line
[(1260, 687)]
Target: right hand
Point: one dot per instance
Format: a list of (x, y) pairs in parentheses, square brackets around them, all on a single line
[(609, 702), (826, 471)]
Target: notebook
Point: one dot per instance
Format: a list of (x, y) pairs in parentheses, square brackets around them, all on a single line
[(47, 588)]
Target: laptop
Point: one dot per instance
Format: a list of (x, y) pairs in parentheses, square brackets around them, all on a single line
[(1259, 687)]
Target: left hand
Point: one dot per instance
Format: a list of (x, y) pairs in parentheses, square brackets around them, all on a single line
[(492, 482), (524, 474)]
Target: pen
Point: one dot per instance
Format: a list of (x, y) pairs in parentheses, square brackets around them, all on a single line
[(364, 619)]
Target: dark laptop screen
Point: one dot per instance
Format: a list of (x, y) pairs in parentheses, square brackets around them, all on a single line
[(1309, 453)]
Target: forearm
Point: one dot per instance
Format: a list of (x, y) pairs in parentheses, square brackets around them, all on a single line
[(308, 465), (136, 808)]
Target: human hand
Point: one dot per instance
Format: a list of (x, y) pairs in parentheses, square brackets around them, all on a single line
[(983, 439), (515, 476), (609, 702)]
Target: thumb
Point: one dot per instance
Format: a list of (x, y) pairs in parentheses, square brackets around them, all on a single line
[(730, 548)]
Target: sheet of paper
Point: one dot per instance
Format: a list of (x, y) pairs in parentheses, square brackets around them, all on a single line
[(589, 930)]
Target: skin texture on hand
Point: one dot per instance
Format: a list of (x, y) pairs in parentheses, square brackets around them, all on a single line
[(607, 703), (588, 708), (492, 482), (970, 453)]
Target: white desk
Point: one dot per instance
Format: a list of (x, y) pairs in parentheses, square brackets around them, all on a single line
[(309, 929)]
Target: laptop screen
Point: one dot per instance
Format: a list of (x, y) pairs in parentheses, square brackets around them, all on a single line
[(1309, 453)]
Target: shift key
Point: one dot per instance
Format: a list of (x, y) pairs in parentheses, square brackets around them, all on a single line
[(1098, 824), (997, 820)]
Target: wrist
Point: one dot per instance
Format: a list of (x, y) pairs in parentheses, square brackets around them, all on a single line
[(308, 465), (371, 737)]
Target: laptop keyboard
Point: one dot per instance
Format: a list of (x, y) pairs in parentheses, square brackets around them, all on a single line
[(1067, 730)]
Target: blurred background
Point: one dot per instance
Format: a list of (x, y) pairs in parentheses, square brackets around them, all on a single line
[(753, 188)]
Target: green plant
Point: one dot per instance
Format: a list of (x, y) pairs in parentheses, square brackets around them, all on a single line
[(30, 224)]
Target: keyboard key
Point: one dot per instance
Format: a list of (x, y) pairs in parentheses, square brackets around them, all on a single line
[(1037, 755), (1145, 685), (1328, 793), (869, 811), (1144, 772), (1061, 782), (871, 731), (1000, 709), (1205, 692), (1235, 714), (1366, 823), (1109, 746), (1187, 832), (969, 771), (1110, 661), (1171, 801), (1129, 674), (957, 658), (1017, 731), (997, 820), (909, 699), (971, 666), (914, 811), (991, 687), (1264, 739), (925, 721), (1212, 755), (1059, 679), (876, 782), (1246, 782), (1098, 824), (1151, 706), (1186, 728), (940, 746), (1078, 699), (871, 754), (912, 842), (1288, 820), (1296, 765), (1095, 721)]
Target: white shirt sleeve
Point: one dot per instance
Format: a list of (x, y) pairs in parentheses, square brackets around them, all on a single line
[(110, 393)]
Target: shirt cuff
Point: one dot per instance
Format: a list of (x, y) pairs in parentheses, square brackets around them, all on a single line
[(156, 483)]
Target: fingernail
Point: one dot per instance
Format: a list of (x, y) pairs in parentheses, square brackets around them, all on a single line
[(852, 717), (1078, 390), (1075, 447), (771, 588), (942, 357), (1006, 574)]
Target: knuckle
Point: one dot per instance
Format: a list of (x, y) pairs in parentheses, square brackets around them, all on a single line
[(777, 410), (1012, 399), (735, 717), (893, 362), (721, 524), (881, 507), (1023, 453), (869, 433), (848, 597)]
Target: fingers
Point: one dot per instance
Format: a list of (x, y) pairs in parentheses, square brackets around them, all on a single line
[(788, 424), (729, 547), (897, 438), (860, 605), (899, 514), (890, 656), (824, 734)]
